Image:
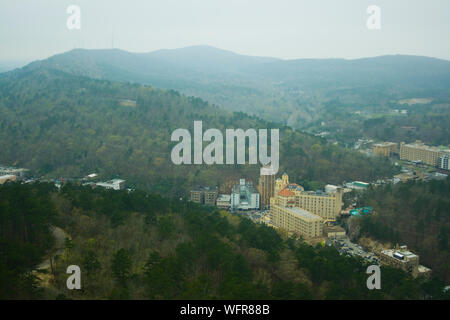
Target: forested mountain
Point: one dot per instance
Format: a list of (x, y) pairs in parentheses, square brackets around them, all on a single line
[(287, 91), (413, 213), (143, 246), (63, 125)]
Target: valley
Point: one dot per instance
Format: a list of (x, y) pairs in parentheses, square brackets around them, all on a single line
[(115, 113)]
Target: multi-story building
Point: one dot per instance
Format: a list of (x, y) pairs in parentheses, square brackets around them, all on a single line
[(115, 184), (404, 259), (197, 195), (335, 232), (205, 195), (296, 220), (223, 201), (244, 196), (210, 196), (385, 149), (266, 186), (420, 152), (303, 212), (443, 162), (326, 205)]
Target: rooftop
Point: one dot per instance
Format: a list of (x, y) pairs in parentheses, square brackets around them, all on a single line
[(318, 193), (202, 188), (267, 171), (420, 145), (237, 188), (405, 253), (113, 182), (286, 193), (224, 197), (116, 181), (384, 144), (304, 214), (294, 186)]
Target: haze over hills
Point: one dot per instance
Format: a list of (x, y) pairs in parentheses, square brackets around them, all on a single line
[(288, 91), (116, 176), (208, 59), (12, 64), (64, 125), (78, 113)]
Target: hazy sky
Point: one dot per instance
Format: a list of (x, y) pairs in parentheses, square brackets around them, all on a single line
[(36, 29)]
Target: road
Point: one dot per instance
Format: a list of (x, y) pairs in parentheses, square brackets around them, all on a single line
[(58, 248)]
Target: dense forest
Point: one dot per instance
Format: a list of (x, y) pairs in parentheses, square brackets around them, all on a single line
[(412, 213), (433, 129), (144, 246), (345, 123), (26, 213), (60, 125)]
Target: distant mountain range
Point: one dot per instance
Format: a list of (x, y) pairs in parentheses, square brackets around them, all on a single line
[(288, 91), (12, 64)]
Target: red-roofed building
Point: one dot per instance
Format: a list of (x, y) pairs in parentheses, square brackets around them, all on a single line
[(286, 193), (286, 198), (326, 205)]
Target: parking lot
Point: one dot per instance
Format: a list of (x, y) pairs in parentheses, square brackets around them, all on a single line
[(346, 247)]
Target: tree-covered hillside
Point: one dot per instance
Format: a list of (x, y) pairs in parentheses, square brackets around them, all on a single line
[(143, 246), (416, 214), (60, 125)]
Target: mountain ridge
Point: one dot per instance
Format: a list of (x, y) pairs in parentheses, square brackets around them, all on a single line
[(293, 92)]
